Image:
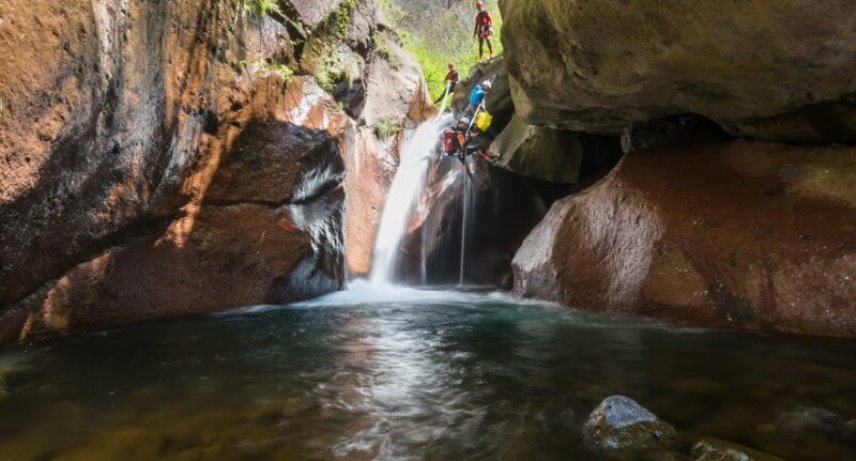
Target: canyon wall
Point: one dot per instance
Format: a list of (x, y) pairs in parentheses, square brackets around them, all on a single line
[(749, 234), (164, 158)]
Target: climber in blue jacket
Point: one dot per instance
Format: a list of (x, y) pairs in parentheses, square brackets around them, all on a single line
[(478, 94)]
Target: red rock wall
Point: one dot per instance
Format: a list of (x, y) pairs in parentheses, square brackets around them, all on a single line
[(754, 236), (148, 169)]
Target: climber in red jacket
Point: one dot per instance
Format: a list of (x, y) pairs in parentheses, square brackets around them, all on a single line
[(452, 79), (484, 29)]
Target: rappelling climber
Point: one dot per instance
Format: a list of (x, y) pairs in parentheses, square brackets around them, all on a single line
[(451, 81), (484, 29), (478, 95), (455, 138), (465, 138), (480, 137)]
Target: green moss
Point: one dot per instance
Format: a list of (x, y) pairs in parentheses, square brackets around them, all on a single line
[(328, 71), (322, 54), (266, 67), (385, 129), (259, 6)]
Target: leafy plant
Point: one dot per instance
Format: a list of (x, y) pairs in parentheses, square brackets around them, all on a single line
[(262, 6), (385, 129), (328, 72), (266, 67)]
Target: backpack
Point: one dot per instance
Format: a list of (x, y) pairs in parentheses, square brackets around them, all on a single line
[(450, 143), (483, 121)]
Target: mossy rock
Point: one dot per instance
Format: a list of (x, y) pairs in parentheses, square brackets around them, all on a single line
[(620, 428)]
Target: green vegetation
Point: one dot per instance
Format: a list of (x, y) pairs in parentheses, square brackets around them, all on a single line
[(266, 67), (386, 129), (328, 71), (437, 33), (260, 6), (329, 68)]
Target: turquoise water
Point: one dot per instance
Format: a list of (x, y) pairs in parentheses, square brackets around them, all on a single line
[(406, 374)]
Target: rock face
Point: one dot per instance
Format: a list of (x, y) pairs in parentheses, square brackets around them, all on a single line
[(768, 70), (393, 94), (747, 235), (503, 209), (160, 158), (542, 153), (621, 428)]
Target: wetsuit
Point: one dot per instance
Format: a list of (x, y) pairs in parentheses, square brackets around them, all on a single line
[(452, 78), (477, 96), (484, 25), (459, 141)]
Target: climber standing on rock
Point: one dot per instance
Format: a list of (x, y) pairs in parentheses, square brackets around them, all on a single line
[(452, 79), (484, 29)]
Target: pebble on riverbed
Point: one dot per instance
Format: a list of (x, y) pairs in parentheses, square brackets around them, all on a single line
[(621, 428)]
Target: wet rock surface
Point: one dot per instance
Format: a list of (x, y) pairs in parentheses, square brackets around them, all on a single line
[(503, 209), (777, 71), (620, 428), (177, 172), (808, 432), (711, 449), (744, 235)]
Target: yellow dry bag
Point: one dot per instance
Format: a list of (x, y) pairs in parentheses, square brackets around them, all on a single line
[(483, 120)]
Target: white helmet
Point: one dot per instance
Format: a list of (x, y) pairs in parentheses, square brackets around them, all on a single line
[(486, 85)]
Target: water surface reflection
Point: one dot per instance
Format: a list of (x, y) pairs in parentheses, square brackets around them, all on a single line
[(403, 374)]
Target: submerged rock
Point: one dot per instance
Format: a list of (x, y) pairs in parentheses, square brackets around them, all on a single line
[(808, 433), (619, 427), (747, 235), (712, 449), (774, 71)]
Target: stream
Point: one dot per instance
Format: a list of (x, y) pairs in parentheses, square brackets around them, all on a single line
[(380, 372)]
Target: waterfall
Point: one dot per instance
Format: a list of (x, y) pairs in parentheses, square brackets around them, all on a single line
[(406, 187), (466, 196)]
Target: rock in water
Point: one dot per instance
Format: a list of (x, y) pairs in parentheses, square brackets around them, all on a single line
[(620, 427), (744, 235), (711, 449), (807, 433)]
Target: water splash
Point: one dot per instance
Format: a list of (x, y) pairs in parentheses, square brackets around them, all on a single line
[(408, 183)]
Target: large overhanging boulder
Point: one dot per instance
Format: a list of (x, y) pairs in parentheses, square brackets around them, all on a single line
[(542, 153), (769, 70)]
